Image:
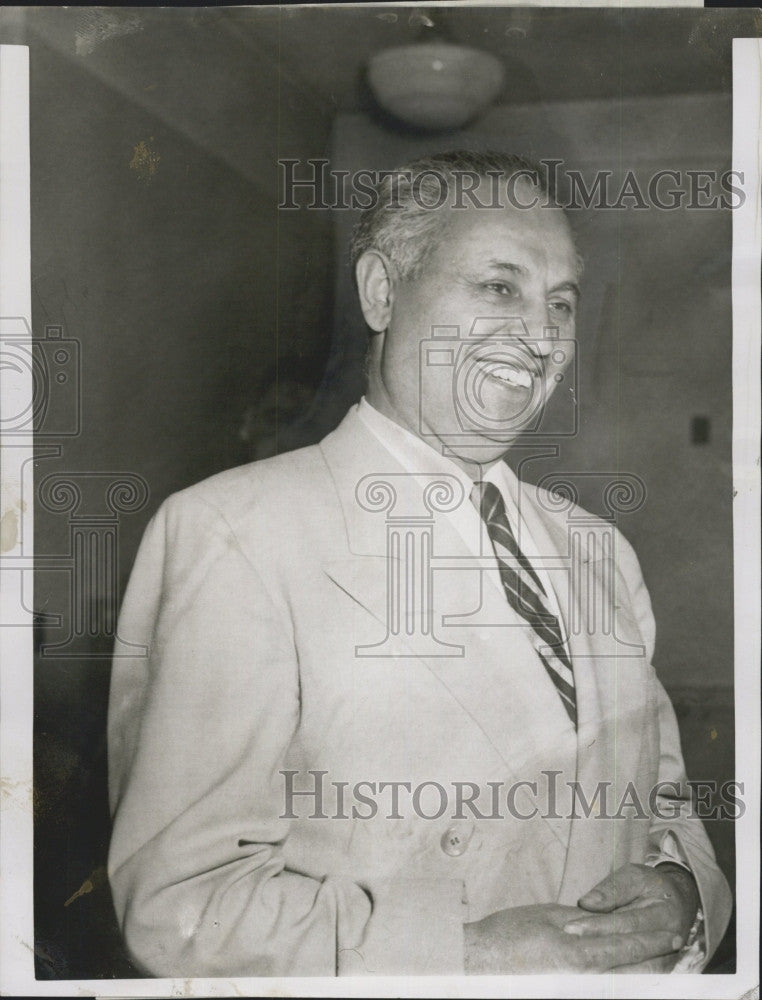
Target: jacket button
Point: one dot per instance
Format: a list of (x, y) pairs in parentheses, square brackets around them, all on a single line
[(455, 840)]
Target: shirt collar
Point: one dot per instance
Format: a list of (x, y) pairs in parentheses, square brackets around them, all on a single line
[(415, 455)]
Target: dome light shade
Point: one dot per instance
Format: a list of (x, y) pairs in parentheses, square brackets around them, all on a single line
[(435, 85)]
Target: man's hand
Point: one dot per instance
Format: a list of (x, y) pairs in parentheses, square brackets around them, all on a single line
[(637, 899), (531, 939)]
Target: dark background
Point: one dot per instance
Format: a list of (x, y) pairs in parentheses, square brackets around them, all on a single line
[(213, 328)]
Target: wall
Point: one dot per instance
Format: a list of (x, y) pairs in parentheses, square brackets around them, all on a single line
[(184, 287)]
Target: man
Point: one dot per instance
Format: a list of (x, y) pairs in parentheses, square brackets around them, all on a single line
[(389, 613)]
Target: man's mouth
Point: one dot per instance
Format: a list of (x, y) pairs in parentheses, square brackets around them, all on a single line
[(506, 374)]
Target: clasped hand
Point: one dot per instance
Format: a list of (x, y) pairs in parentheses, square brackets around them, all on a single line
[(635, 920)]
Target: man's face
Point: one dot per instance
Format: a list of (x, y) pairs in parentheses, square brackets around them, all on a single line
[(494, 268)]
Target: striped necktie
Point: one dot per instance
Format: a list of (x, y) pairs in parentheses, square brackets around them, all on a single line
[(526, 594)]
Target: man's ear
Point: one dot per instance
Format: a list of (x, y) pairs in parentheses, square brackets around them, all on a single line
[(375, 288)]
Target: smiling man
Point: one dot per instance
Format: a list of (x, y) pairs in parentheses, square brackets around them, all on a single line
[(364, 736), (505, 278)]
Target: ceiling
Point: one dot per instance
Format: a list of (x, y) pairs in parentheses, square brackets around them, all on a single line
[(549, 53)]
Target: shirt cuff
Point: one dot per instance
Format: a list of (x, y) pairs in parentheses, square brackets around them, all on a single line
[(692, 955)]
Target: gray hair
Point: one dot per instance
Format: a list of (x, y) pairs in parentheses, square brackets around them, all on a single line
[(402, 222)]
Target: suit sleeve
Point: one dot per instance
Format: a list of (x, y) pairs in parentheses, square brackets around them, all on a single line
[(198, 725), (672, 808)]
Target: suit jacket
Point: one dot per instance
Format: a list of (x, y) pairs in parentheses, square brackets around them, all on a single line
[(255, 639)]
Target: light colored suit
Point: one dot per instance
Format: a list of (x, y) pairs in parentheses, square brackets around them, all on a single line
[(252, 592)]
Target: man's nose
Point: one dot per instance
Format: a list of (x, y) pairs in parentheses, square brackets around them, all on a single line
[(537, 331), (544, 341)]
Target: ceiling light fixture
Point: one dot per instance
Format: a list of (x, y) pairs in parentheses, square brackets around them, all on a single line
[(435, 84)]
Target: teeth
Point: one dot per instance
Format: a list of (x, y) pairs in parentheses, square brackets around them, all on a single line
[(514, 376)]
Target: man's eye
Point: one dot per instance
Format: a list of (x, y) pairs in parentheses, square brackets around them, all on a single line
[(500, 287), (565, 308)]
